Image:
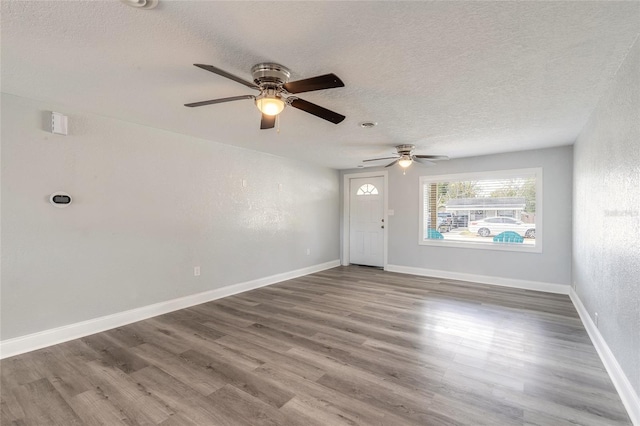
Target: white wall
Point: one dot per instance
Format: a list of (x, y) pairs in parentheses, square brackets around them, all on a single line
[(606, 223), (552, 266), (149, 205)]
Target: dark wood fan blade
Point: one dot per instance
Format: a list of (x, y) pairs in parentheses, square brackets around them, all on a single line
[(317, 110), (219, 101), (391, 164), (383, 158), (321, 82), (227, 75), (432, 157), (268, 121), (423, 161)]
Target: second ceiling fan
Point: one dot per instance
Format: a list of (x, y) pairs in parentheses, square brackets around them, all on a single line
[(272, 80), (405, 157)]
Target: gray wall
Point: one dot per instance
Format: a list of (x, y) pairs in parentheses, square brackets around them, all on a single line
[(149, 205), (552, 266), (606, 223)]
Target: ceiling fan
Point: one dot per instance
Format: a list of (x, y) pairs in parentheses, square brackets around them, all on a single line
[(405, 157), (272, 80)]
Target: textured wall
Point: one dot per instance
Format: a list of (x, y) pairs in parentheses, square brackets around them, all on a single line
[(149, 205), (553, 265), (606, 224)]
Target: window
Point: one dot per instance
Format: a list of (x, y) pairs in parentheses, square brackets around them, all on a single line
[(367, 189), (488, 210)]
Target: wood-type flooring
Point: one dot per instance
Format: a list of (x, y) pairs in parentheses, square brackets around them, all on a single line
[(347, 346)]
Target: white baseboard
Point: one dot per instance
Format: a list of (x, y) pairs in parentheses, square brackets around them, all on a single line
[(629, 397), (54, 336), (482, 279)]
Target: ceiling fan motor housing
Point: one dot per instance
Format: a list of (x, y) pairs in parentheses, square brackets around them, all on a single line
[(270, 74), (405, 149)]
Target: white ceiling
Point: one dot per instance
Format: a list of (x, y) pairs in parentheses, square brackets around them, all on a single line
[(453, 78)]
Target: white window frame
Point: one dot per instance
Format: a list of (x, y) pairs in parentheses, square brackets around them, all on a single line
[(497, 174)]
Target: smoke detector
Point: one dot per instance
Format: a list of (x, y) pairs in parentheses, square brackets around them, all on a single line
[(141, 4)]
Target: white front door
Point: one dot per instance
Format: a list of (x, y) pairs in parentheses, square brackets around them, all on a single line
[(366, 221)]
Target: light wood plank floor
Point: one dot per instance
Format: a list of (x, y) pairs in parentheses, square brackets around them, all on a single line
[(348, 346)]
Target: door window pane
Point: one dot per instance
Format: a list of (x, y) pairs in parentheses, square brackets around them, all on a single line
[(367, 189)]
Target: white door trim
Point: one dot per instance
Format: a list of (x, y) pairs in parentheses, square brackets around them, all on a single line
[(346, 189)]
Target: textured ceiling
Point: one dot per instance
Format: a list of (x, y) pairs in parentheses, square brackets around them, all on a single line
[(453, 78)]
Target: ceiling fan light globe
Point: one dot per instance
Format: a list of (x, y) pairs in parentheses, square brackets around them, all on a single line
[(405, 161), (270, 105)]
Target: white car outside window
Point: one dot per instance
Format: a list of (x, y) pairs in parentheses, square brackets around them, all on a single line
[(497, 225)]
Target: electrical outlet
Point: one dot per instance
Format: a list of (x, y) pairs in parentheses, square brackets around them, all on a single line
[(244, 183), (279, 187), (196, 271), (596, 319), (308, 251)]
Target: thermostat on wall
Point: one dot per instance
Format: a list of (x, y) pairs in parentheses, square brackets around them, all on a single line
[(60, 199)]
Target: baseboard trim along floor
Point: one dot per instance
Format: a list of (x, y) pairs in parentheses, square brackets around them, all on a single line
[(482, 279), (628, 395), (54, 336)]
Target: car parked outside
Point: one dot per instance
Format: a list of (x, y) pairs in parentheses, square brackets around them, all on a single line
[(445, 222), (496, 225)]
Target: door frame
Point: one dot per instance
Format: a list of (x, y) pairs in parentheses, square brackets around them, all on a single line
[(346, 225)]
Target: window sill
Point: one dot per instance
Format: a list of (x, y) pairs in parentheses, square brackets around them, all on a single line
[(513, 247)]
